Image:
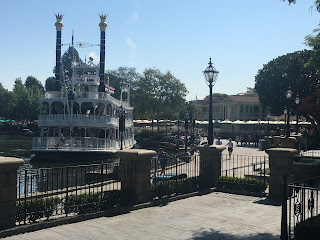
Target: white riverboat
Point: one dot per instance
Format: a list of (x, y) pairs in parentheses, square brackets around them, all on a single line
[(81, 118)]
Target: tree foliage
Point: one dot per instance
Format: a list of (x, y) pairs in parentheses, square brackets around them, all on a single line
[(50, 84), (310, 108), (121, 78), (23, 101), (66, 60), (282, 73), (5, 97), (316, 3), (290, 71), (33, 82), (159, 95)]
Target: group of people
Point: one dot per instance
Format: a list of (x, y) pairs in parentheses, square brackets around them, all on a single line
[(247, 139)]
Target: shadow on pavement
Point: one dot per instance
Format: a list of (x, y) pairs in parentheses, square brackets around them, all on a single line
[(212, 235), (268, 201)]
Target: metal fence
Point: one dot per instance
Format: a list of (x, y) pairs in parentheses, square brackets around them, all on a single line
[(47, 192), (181, 176), (245, 173), (303, 203)]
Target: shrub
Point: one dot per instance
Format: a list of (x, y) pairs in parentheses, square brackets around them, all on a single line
[(84, 203), (80, 203), (36, 209), (243, 184), (179, 186)]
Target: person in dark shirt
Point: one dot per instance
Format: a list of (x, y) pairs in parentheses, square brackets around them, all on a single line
[(163, 158)]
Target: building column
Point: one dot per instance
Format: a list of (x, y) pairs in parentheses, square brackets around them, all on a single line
[(280, 162), (210, 165), (8, 190), (135, 173)]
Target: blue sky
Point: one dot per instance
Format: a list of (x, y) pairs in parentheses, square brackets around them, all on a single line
[(174, 35)]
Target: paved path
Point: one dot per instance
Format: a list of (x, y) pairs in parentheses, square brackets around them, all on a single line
[(210, 216)]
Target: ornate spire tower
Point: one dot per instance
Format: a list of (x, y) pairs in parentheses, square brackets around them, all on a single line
[(59, 26), (103, 26)]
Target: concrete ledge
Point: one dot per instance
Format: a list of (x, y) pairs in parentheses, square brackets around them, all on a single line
[(10, 163), (136, 154), (281, 151), (210, 148)]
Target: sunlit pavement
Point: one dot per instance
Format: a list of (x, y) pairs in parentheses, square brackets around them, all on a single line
[(210, 216)]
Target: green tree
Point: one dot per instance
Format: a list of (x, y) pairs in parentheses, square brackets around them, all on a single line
[(33, 82), (24, 102), (66, 60), (220, 95), (50, 84), (6, 99), (316, 3), (159, 94), (310, 108), (121, 78), (291, 70), (18, 82)]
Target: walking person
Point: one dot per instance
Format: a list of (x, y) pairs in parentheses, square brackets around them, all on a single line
[(230, 147), (163, 158), (304, 139)]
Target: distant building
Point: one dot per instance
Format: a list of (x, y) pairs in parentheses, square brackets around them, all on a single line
[(244, 106)]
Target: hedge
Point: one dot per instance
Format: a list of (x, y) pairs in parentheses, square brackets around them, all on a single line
[(243, 184), (33, 210)]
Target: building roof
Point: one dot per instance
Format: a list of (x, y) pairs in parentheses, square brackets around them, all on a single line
[(250, 98), (206, 101)]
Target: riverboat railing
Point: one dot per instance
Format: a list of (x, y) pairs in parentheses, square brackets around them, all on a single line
[(79, 144), (79, 120), (47, 192), (86, 95)]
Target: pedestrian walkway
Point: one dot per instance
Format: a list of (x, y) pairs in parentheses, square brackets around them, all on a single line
[(214, 215), (249, 150)]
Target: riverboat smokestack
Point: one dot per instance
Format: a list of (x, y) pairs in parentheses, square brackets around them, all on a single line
[(103, 26), (59, 26)]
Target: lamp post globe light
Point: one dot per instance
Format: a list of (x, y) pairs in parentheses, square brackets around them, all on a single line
[(288, 95), (297, 101), (210, 74)]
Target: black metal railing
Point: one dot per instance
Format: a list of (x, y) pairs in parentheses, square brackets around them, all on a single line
[(46, 192), (181, 176), (244, 173), (303, 204)]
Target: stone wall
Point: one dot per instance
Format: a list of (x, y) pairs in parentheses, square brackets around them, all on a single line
[(8, 190)]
